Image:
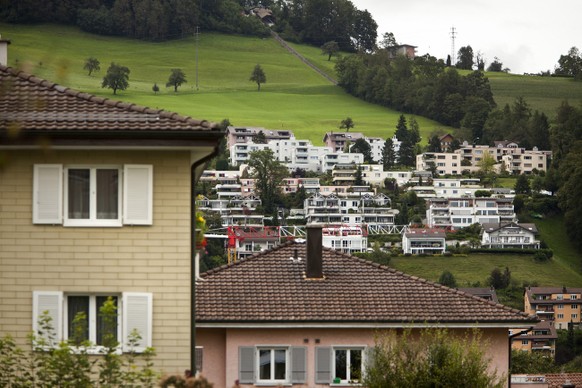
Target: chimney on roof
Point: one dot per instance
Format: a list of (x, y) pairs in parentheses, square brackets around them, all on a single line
[(4, 51), (314, 262)]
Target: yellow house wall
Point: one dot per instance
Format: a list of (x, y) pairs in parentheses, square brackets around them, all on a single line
[(152, 259)]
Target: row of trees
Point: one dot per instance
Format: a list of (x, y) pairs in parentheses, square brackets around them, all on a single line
[(143, 19), (423, 86), (319, 21), (117, 77), (309, 21)]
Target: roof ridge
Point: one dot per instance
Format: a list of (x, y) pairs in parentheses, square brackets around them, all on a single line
[(21, 74), (254, 256), (438, 285)]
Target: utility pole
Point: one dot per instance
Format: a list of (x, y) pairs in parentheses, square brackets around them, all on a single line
[(453, 35), (197, 32)]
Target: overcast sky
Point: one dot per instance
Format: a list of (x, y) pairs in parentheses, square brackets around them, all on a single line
[(528, 36)]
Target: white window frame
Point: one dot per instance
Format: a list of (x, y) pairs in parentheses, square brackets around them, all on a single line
[(92, 319), (92, 221), (349, 380), (574, 316), (272, 349), (50, 196), (134, 309)]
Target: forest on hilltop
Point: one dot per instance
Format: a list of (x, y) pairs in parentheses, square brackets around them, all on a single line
[(309, 21)]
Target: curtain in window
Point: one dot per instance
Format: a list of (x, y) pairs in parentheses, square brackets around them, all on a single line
[(79, 186), (78, 318), (107, 194)]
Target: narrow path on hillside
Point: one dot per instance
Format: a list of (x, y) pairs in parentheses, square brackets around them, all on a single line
[(301, 57)]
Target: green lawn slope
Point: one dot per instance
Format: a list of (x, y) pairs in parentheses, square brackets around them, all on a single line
[(544, 94), (295, 97)]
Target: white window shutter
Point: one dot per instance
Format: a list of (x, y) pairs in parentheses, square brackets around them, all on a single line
[(137, 314), (138, 194), (51, 302), (47, 195)]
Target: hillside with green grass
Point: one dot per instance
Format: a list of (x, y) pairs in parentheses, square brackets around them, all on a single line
[(294, 97), (544, 94)]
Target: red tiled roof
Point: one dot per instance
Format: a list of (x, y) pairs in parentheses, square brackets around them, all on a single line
[(271, 287), (557, 380), (34, 105)]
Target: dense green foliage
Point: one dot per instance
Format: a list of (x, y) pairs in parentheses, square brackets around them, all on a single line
[(422, 85), (47, 363), (311, 21), (117, 78), (436, 358)]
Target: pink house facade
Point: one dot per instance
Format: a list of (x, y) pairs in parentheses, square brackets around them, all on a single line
[(305, 316)]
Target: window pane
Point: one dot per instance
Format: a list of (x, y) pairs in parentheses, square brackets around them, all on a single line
[(78, 195), (280, 364), (107, 194), (106, 324), (264, 364), (355, 364), (78, 318), (341, 364)]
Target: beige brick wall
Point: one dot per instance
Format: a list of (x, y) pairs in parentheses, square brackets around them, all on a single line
[(152, 259)]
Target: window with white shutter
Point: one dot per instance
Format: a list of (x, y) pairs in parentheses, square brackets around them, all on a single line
[(92, 196), (47, 196), (137, 315), (134, 312), (138, 195), (51, 303)]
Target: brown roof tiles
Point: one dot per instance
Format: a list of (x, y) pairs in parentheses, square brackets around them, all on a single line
[(41, 107), (271, 287)]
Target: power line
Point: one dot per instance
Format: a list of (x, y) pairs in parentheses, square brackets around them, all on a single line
[(197, 32), (453, 35)]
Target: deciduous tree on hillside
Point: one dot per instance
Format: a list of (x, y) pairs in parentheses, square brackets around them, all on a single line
[(269, 173), (117, 78), (330, 49), (347, 124), (258, 76), (92, 64), (176, 79), (465, 56)]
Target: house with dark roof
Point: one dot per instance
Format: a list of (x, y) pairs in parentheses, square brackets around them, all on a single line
[(560, 305), (306, 316), (509, 235), (542, 338), (96, 201)]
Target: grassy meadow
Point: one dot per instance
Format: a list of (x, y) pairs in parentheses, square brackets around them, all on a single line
[(477, 267), (544, 94), (294, 97)]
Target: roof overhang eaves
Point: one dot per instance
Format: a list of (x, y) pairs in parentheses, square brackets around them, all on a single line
[(361, 325), (112, 139)]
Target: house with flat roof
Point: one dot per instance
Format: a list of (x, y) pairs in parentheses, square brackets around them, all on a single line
[(307, 316), (424, 241), (97, 203)]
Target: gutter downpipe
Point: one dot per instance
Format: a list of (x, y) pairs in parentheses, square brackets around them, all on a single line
[(195, 165), (511, 337)]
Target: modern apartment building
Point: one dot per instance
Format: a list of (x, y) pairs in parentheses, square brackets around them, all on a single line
[(508, 156), (238, 135), (560, 305), (460, 212)]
